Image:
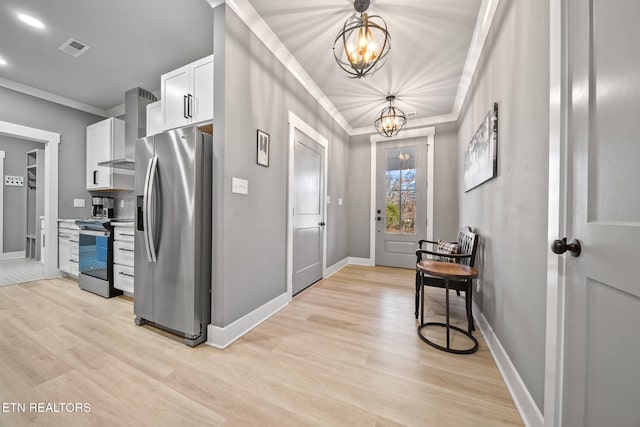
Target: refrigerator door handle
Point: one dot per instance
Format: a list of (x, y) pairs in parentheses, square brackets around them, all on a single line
[(145, 213), (149, 231)]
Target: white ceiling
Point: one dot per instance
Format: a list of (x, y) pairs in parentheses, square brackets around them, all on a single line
[(132, 42)]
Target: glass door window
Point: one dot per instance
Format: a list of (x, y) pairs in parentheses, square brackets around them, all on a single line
[(400, 179)]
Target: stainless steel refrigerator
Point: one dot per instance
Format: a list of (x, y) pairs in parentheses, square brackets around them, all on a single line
[(173, 232)]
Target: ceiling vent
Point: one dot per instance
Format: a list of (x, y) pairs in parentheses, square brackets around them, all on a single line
[(74, 47)]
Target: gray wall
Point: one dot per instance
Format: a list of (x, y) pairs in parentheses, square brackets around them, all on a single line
[(15, 198), (445, 187), (254, 91), (71, 124), (510, 211)]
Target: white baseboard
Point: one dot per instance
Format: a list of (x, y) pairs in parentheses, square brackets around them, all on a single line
[(360, 261), (12, 255), (528, 409), (221, 338), (330, 271)]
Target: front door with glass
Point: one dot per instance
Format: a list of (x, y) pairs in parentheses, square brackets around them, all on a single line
[(401, 201)]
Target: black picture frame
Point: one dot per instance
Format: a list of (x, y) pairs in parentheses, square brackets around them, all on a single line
[(481, 154), (263, 146)]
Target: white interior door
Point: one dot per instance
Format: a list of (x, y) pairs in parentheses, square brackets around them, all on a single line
[(601, 341), (308, 212), (401, 201)]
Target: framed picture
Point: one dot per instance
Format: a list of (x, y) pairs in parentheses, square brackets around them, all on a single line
[(481, 155), (263, 143)]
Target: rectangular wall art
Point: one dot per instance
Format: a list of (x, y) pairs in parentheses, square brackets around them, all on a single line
[(481, 155)]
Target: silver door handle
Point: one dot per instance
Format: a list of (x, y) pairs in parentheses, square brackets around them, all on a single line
[(145, 214), (126, 274), (126, 250), (152, 179)]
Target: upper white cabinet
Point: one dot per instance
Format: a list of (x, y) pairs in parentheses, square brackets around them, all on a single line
[(187, 94), (154, 117), (105, 141)]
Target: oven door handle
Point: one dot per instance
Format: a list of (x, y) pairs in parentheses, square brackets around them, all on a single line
[(93, 233), (151, 248)]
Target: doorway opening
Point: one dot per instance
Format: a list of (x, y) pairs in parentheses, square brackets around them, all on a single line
[(44, 246)]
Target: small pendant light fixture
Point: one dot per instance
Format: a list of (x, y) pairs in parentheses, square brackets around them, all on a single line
[(363, 44), (391, 119)]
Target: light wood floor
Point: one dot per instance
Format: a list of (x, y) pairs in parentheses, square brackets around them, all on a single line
[(343, 353)]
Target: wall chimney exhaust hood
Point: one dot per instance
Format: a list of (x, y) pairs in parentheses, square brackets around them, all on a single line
[(135, 126)]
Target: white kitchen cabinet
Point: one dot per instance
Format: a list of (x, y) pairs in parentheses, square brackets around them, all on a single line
[(68, 247), (123, 258), (105, 142), (187, 94), (154, 118)]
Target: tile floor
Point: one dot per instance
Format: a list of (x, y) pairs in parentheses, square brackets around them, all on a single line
[(20, 270)]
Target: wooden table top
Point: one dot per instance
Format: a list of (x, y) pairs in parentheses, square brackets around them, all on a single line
[(447, 269)]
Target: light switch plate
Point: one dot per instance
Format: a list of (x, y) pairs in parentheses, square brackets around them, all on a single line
[(340, 202), (78, 203), (13, 181), (328, 200), (239, 186)]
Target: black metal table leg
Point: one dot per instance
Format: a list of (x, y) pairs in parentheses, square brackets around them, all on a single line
[(446, 325), (446, 286)]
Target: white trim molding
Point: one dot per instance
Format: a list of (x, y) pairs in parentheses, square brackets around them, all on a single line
[(557, 211), (527, 407), (333, 269), (296, 122), (51, 141), (480, 33), (48, 96), (222, 338), (428, 133), (12, 255), (2, 156)]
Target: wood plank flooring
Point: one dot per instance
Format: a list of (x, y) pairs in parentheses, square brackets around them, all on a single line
[(342, 353)]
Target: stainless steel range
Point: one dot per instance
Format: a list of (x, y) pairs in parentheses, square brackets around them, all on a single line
[(95, 257)]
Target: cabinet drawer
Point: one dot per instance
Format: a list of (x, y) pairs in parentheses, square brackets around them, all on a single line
[(123, 253), (123, 278), (124, 234)]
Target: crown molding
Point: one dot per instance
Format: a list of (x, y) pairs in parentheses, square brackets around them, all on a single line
[(48, 96), (480, 33)]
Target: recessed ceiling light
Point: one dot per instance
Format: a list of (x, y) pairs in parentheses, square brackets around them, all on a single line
[(2, 61), (30, 20)]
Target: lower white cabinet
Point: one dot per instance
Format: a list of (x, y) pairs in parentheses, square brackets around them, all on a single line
[(123, 258), (68, 247)]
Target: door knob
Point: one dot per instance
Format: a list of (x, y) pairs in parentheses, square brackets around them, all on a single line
[(378, 218), (321, 224), (561, 246)]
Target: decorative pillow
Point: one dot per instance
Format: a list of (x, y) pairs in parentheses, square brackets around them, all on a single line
[(448, 248)]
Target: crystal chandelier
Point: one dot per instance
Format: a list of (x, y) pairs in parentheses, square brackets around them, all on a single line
[(363, 44), (391, 119)]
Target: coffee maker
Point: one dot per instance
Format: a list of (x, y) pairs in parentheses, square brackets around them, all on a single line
[(108, 210), (97, 206)]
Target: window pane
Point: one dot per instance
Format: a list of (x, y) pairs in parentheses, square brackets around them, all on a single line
[(401, 187), (393, 212)]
